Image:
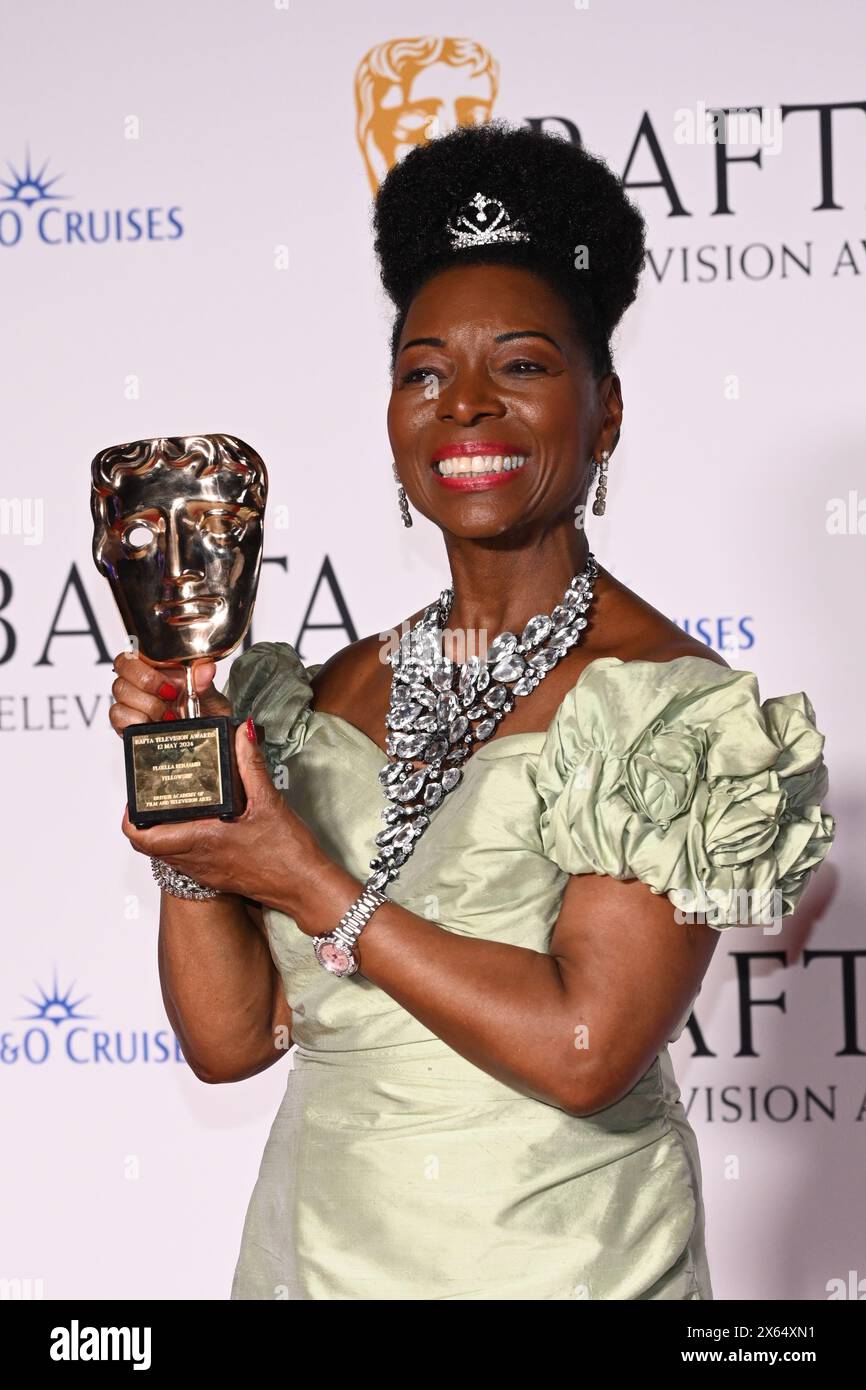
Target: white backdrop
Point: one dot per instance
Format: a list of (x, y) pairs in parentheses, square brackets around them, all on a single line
[(250, 304)]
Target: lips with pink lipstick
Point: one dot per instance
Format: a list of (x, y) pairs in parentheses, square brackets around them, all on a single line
[(479, 464)]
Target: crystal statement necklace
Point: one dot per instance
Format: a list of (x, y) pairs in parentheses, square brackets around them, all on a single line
[(440, 709)]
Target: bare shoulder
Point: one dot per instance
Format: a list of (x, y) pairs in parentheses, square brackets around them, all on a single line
[(348, 673), (669, 646), (356, 681), (629, 627)]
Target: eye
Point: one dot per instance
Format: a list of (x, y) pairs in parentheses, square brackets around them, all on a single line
[(525, 362), (138, 535), (222, 526), (416, 373)]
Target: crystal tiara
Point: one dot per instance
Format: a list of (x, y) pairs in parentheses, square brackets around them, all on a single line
[(482, 221)]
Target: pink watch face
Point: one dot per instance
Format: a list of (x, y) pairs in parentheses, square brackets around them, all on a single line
[(333, 957)]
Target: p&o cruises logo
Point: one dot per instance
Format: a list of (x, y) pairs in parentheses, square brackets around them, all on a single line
[(31, 208), (57, 1029)]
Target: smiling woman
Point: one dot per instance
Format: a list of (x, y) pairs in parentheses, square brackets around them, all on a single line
[(480, 893)]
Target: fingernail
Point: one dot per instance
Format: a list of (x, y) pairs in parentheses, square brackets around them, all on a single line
[(167, 691), (251, 730), (169, 714)]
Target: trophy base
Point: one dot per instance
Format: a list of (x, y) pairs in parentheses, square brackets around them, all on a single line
[(182, 769)]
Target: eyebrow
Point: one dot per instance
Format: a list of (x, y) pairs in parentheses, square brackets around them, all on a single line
[(500, 338)]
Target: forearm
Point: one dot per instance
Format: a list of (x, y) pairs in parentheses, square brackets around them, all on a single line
[(504, 1008), (217, 985)]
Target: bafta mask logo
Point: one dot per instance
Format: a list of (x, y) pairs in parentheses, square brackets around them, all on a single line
[(177, 532), (407, 91)]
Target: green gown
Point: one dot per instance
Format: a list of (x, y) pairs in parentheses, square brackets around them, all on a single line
[(395, 1168)]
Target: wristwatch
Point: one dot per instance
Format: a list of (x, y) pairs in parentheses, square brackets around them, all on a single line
[(335, 951)]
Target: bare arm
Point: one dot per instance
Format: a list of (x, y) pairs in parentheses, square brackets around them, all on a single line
[(222, 992), (576, 1026)]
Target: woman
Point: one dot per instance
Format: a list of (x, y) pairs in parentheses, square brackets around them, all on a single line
[(482, 1104)]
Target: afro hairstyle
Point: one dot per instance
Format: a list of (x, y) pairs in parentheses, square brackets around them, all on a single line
[(564, 197)]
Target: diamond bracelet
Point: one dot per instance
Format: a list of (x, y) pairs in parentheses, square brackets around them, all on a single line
[(178, 884)]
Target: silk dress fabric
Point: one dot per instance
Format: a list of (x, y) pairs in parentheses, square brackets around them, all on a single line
[(395, 1168)]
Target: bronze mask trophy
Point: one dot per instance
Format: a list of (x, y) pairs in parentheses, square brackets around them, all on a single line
[(177, 532)]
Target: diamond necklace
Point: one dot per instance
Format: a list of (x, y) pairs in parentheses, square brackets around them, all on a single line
[(440, 709)]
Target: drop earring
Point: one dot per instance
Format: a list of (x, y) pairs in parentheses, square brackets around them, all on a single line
[(402, 498), (601, 491)]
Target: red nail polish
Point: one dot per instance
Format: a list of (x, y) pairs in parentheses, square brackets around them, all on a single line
[(167, 691), (169, 714), (251, 730)]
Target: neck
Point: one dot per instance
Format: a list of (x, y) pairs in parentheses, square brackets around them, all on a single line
[(498, 589)]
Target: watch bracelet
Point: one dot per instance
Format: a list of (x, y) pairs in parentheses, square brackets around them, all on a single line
[(355, 918)]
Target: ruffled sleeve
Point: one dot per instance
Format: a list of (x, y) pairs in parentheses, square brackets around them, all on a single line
[(677, 774), (270, 682)]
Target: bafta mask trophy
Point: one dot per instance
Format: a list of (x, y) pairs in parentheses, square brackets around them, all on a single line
[(177, 532)]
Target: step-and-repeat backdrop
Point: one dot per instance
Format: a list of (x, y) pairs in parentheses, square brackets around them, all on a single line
[(185, 248)]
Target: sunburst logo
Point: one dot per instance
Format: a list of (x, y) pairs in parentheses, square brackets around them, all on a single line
[(55, 1007), (30, 186)]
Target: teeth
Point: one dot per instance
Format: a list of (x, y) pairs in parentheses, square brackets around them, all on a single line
[(479, 464)]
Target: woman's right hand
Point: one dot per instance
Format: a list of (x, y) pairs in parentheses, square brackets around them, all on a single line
[(145, 694)]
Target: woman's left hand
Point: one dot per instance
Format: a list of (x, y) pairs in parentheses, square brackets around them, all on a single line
[(267, 854)]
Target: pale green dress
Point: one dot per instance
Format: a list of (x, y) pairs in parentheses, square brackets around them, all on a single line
[(396, 1169)]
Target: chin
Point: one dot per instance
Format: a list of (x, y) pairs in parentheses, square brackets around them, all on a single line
[(480, 528)]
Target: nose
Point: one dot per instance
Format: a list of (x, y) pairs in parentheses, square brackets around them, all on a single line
[(469, 398), (183, 549)]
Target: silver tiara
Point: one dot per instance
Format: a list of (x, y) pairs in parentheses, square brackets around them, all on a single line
[(482, 221)]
